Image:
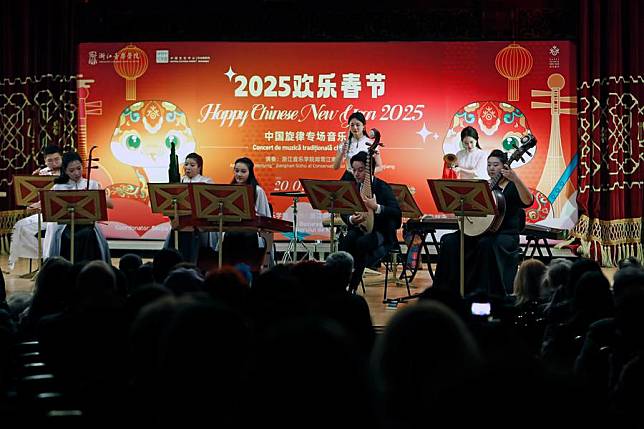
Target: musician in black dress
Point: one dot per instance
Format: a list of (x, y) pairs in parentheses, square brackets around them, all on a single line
[(491, 259), (368, 248)]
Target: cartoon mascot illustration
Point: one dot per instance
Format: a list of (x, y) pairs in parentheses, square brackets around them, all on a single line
[(142, 139)]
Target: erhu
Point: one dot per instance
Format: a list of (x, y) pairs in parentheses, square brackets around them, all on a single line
[(89, 165)]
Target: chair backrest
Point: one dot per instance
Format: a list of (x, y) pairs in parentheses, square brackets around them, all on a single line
[(8, 219)]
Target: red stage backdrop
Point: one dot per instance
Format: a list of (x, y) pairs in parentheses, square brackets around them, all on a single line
[(285, 105)]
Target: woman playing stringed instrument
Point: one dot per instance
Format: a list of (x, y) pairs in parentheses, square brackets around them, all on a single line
[(90, 243), (491, 258)]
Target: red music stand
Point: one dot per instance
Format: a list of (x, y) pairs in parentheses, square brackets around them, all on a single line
[(467, 197), (334, 196), (170, 199), (27, 191), (223, 203), (72, 207)]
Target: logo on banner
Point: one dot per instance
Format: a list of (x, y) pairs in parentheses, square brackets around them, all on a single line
[(553, 62), (163, 56), (92, 60)]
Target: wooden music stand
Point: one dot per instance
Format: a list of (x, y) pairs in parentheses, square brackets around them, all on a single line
[(74, 207), (408, 206), (228, 204), (468, 197), (334, 196), (170, 199), (27, 191)]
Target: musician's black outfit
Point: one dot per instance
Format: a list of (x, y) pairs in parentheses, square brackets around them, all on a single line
[(491, 259), (368, 249)]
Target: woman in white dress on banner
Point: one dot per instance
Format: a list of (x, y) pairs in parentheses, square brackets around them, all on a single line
[(471, 160)]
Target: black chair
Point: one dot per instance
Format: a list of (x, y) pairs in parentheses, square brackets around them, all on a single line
[(391, 261)]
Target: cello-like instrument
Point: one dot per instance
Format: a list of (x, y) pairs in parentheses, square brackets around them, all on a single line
[(475, 226)]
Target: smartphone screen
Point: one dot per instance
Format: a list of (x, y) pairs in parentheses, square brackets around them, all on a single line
[(481, 308)]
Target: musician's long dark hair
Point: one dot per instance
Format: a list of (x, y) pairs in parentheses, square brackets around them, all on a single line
[(252, 180), (67, 159), (360, 117), (470, 132)]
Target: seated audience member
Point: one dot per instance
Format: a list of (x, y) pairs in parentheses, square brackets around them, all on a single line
[(556, 276), (559, 309), (51, 295), (562, 342), (339, 266), (612, 342), (163, 262), (426, 351), (183, 280), (129, 264)]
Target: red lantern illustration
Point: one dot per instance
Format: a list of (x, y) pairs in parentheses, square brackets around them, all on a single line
[(513, 62), (130, 63)]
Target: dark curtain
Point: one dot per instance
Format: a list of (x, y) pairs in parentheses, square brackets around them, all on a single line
[(38, 101), (611, 129)]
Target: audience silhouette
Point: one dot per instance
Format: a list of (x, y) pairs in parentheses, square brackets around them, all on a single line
[(164, 343)]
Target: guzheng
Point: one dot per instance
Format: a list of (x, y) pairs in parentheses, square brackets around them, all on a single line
[(430, 223), (258, 223), (547, 232)]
